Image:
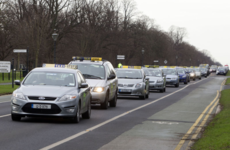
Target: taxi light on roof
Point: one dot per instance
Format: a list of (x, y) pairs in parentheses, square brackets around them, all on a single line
[(133, 67), (151, 66), (87, 58)]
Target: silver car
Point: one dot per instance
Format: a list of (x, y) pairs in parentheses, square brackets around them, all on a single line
[(56, 92), (157, 80), (132, 82), (198, 73), (101, 77), (172, 76)]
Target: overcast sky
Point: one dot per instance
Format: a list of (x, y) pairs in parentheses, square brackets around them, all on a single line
[(207, 22)]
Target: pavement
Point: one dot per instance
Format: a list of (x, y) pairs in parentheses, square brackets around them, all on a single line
[(169, 120)]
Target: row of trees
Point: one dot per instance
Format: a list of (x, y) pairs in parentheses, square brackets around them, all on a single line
[(100, 28)]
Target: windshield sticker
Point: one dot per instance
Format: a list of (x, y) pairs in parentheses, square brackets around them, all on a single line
[(72, 84), (51, 74)]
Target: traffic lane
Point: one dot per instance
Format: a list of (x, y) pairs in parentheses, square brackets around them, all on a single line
[(5, 108), (110, 131), (5, 98), (35, 133), (164, 129)]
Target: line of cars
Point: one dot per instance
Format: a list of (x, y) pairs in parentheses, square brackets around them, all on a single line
[(59, 90)]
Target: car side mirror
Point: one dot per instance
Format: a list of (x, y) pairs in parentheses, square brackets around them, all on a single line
[(146, 78), (84, 85), (112, 76), (17, 82)]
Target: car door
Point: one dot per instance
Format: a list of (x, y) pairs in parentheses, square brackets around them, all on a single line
[(114, 81), (109, 83), (86, 94), (82, 93)]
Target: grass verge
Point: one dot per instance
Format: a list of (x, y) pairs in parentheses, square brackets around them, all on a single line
[(227, 81), (216, 134), (7, 89), (228, 74), (6, 78)]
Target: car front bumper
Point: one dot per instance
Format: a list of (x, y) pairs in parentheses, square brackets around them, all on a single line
[(131, 91), (171, 82), (98, 98), (156, 86), (58, 109), (183, 79)]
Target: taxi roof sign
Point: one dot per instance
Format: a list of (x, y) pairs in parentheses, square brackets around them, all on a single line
[(59, 66), (151, 66), (132, 67), (87, 58)]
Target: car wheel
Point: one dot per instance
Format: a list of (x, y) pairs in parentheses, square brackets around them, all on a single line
[(87, 114), (164, 89), (113, 102), (200, 78), (194, 79), (143, 97), (147, 96), (177, 85), (76, 118), (105, 104), (186, 82), (15, 117)]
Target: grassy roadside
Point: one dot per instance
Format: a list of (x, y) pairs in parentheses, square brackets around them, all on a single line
[(6, 77), (227, 81), (228, 74), (216, 134), (7, 89)]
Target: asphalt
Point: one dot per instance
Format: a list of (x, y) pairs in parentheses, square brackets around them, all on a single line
[(159, 125)]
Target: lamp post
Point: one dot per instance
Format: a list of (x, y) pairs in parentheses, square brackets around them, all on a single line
[(176, 60), (190, 61), (143, 51), (55, 36)]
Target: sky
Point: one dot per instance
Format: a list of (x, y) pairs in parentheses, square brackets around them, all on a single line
[(207, 22)]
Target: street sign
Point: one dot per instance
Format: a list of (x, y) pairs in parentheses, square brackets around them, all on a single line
[(20, 51), (165, 61), (121, 57), (156, 61), (5, 66)]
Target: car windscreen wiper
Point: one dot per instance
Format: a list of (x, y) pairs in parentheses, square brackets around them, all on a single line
[(91, 76)]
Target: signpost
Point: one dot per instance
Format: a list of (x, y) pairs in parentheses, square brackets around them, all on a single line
[(165, 61), (5, 66), (23, 51), (121, 57)]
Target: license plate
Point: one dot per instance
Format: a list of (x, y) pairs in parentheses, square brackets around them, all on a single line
[(40, 106), (125, 90)]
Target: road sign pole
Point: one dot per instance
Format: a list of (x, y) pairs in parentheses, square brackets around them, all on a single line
[(27, 68), (12, 73)]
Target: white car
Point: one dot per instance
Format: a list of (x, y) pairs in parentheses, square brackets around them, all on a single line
[(197, 72)]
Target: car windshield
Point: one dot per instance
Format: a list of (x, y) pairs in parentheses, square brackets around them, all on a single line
[(129, 74), (152, 72), (190, 70), (197, 70), (50, 78), (213, 67), (91, 71), (221, 69), (169, 71), (180, 71)]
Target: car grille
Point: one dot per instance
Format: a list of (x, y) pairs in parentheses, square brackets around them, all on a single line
[(151, 81), (54, 109), (45, 98), (169, 78), (125, 92), (125, 85)]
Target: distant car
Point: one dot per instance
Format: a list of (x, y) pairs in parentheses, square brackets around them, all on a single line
[(198, 73), (204, 72), (157, 80), (213, 68), (53, 92), (183, 75), (132, 82), (101, 76), (172, 76), (221, 71), (192, 74)]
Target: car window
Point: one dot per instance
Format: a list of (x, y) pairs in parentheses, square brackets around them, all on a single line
[(169, 71), (108, 71), (112, 71), (91, 71), (129, 74), (152, 72), (50, 78), (81, 78)]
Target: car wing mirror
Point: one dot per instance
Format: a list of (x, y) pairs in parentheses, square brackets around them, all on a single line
[(17, 82), (112, 76), (84, 85)]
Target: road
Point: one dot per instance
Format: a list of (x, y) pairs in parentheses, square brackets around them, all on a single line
[(164, 121)]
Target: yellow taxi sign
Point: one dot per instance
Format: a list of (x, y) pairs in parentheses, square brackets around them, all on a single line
[(87, 58), (59, 66), (132, 67), (151, 66), (172, 66)]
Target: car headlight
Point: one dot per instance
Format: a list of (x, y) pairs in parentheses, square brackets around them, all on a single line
[(138, 85), (160, 81), (19, 96), (98, 89), (192, 74), (67, 97)]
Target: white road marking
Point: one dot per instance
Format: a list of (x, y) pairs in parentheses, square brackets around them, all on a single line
[(162, 122), (5, 115), (110, 120)]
